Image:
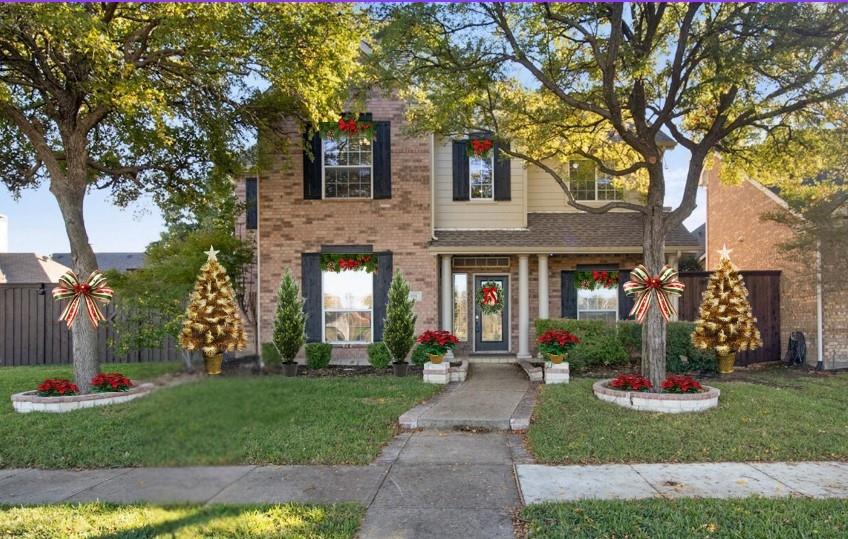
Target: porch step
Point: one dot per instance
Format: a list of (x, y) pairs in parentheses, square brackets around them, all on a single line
[(505, 358)]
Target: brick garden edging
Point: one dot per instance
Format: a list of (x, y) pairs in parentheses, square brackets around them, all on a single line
[(669, 403), (29, 401)]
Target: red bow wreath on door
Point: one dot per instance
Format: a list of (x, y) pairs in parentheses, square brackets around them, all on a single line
[(658, 288), (92, 291), (490, 295)]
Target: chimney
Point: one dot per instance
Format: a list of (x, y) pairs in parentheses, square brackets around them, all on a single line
[(4, 234)]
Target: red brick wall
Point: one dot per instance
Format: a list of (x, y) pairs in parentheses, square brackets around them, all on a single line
[(290, 225), (733, 219)]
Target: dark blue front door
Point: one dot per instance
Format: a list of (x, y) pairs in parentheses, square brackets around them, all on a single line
[(491, 331)]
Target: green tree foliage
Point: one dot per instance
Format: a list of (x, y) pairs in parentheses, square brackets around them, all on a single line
[(289, 331), (399, 330), (145, 97), (602, 81)]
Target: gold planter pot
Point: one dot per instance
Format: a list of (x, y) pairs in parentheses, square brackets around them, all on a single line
[(556, 359), (725, 362), (213, 363), (436, 359)]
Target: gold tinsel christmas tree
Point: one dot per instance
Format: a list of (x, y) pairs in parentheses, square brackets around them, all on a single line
[(726, 322), (212, 323)]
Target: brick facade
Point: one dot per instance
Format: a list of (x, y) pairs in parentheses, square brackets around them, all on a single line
[(289, 225), (734, 218)]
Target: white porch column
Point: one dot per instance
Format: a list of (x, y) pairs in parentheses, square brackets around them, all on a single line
[(544, 300), (673, 261), (523, 307), (447, 294)]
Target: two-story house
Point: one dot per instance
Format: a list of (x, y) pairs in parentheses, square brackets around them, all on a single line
[(451, 222)]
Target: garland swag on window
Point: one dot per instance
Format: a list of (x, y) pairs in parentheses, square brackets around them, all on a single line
[(479, 147), (593, 280), (349, 127), (340, 262)]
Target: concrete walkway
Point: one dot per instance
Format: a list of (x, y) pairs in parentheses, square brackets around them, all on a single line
[(698, 480), (489, 399)]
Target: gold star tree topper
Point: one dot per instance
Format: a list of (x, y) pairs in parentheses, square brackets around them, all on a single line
[(724, 252), (212, 254)]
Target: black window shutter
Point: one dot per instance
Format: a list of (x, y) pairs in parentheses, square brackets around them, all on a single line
[(503, 181), (460, 171), (625, 302), (568, 295), (382, 281), (310, 267), (382, 160), (312, 167), (250, 202)]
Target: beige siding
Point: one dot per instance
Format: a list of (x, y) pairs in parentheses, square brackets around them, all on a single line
[(545, 195), (476, 214)]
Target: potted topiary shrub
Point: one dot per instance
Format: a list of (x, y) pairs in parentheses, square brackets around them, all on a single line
[(436, 343), (289, 324), (318, 355), (555, 343), (399, 329)]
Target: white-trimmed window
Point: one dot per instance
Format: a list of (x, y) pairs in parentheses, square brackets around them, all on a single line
[(598, 304), (481, 175), (347, 168), (348, 306), (588, 183)]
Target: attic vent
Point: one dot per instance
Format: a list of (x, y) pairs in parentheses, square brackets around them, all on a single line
[(488, 262)]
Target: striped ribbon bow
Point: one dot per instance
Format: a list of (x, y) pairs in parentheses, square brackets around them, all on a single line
[(659, 288), (92, 291)]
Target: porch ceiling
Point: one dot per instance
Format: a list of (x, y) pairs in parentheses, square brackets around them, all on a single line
[(614, 232)]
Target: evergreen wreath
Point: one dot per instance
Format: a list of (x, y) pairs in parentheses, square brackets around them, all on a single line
[(343, 262), (490, 297)]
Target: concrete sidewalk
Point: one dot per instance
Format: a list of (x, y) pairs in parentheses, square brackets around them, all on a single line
[(697, 480)]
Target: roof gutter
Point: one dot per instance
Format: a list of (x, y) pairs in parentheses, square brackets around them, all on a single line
[(507, 250)]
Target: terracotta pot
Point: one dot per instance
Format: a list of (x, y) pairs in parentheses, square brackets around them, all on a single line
[(290, 369), (400, 368), (436, 359), (556, 359), (725, 362), (213, 363)]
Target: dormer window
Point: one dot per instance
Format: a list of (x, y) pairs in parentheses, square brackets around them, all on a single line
[(481, 175), (588, 183)]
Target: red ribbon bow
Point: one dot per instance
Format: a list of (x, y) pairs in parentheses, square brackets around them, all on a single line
[(490, 295), (92, 291), (351, 127)]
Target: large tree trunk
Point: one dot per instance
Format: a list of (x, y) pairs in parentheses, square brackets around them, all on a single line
[(654, 327), (70, 194)]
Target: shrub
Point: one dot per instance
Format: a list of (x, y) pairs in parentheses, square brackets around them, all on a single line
[(677, 383), (270, 354), (289, 320), (599, 343), (110, 381), (437, 342), (399, 332), (630, 382), (318, 355), (57, 387), (630, 335), (419, 356), (378, 355)]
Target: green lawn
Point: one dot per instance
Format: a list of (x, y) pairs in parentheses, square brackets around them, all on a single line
[(228, 420), (689, 518), (773, 416), (181, 521)]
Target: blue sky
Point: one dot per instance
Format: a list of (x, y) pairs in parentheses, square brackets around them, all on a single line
[(35, 224)]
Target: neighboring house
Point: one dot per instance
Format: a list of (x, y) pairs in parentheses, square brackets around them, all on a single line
[(734, 218), (29, 268), (108, 261), (449, 222)]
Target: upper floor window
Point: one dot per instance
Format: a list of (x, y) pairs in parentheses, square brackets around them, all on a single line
[(481, 175), (347, 168), (588, 183)]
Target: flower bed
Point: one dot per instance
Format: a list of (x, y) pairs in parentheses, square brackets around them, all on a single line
[(680, 394), (32, 401)]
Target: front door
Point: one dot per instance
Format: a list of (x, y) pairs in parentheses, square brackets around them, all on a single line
[(491, 330)]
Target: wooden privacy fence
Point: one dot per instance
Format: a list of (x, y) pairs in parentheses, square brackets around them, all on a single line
[(764, 295), (31, 333)]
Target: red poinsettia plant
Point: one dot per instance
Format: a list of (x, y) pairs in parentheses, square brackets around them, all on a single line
[(557, 342), (437, 342), (630, 382), (56, 387), (678, 383), (110, 381)]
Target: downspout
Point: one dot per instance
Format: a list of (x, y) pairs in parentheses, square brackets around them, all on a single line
[(819, 310), (433, 186)]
